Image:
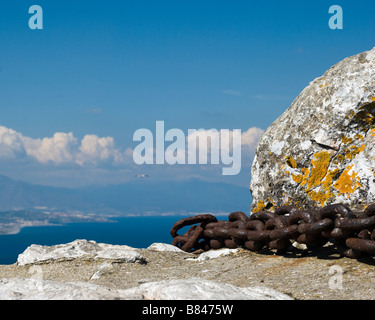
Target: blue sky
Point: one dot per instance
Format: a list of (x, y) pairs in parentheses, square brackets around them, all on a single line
[(102, 70)]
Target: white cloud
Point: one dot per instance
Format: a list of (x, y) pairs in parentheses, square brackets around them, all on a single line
[(251, 137), (10, 143), (58, 149), (94, 149), (64, 148), (232, 146), (70, 161), (61, 148)]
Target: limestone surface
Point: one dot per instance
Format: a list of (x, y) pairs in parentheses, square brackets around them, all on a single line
[(301, 274), (185, 289), (201, 289)]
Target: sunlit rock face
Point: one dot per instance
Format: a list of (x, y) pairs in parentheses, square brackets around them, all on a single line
[(321, 150), (80, 248)]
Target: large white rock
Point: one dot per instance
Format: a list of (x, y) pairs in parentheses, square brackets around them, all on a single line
[(79, 249), (321, 150), (186, 289)]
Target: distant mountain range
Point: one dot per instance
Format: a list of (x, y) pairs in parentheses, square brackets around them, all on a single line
[(139, 197)]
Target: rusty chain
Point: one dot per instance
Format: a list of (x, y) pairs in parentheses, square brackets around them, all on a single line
[(354, 231)]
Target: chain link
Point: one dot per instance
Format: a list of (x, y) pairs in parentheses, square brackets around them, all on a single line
[(355, 231)]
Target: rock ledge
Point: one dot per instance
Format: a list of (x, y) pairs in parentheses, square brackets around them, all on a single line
[(167, 273)]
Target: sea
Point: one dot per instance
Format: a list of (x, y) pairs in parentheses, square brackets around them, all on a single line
[(137, 232)]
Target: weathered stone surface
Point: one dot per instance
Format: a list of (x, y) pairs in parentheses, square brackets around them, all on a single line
[(321, 150), (302, 275), (201, 289), (185, 289), (38, 289), (79, 249)]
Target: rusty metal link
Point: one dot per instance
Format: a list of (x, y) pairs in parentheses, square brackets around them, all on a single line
[(190, 239), (202, 218), (355, 224), (336, 212), (370, 210), (238, 216), (278, 230), (285, 210), (361, 245), (263, 215)]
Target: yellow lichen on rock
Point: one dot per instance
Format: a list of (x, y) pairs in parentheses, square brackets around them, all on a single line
[(270, 204), (352, 151), (297, 178), (327, 182), (259, 207), (306, 173), (318, 180), (319, 196), (323, 178), (346, 139), (325, 193), (291, 162), (347, 183), (301, 178), (319, 169)]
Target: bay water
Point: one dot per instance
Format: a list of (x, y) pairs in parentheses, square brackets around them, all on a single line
[(137, 232)]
